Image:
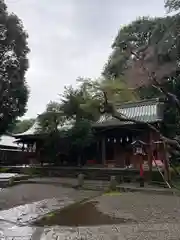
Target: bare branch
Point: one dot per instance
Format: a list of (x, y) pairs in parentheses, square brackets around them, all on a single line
[(152, 76)]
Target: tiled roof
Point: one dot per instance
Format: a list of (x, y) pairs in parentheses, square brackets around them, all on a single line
[(8, 141), (145, 111), (33, 130)]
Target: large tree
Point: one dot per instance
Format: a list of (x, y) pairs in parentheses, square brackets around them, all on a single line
[(51, 118), (77, 108), (21, 126), (73, 100), (146, 53), (83, 102), (172, 5), (13, 66), (155, 41)]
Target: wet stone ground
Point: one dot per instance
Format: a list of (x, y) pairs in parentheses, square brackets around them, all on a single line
[(127, 216), (82, 214), (28, 193)]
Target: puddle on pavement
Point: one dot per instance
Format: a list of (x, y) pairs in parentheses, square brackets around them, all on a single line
[(82, 214)]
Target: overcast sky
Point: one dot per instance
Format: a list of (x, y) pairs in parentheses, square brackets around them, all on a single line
[(71, 38)]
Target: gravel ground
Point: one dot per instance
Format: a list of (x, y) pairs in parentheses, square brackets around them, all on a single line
[(28, 193), (141, 207), (156, 216), (136, 206)]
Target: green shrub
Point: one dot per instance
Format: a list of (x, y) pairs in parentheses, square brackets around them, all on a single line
[(156, 176), (4, 170), (32, 171)]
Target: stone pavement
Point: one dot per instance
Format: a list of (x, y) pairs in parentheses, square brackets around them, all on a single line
[(27, 193), (103, 185), (118, 232), (161, 231), (5, 178), (15, 220), (157, 217)]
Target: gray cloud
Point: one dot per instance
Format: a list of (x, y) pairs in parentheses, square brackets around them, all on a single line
[(71, 38)]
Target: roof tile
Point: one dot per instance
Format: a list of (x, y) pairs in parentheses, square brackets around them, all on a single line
[(145, 111)]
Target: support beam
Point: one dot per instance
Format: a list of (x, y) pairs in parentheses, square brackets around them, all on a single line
[(150, 155), (103, 151), (166, 164)]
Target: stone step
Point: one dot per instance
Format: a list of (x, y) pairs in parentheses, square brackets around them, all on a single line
[(4, 182)]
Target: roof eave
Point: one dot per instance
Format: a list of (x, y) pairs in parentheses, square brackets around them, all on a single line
[(121, 124)]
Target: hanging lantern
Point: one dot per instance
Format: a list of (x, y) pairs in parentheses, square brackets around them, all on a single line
[(138, 147), (34, 147)]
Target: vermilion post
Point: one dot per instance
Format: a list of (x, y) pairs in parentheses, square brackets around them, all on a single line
[(141, 175), (141, 171)]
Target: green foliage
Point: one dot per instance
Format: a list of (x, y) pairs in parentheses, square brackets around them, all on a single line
[(83, 102), (13, 66), (117, 90), (21, 126), (80, 135), (4, 170), (78, 108), (134, 36), (172, 5), (50, 119), (80, 102), (155, 40), (32, 171)]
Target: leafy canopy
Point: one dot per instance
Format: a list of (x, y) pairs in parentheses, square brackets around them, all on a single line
[(21, 126), (172, 5), (80, 104), (50, 119), (80, 135), (13, 66), (156, 41), (83, 102)]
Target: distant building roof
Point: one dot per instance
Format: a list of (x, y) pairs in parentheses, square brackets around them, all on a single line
[(8, 141), (33, 130), (145, 111)]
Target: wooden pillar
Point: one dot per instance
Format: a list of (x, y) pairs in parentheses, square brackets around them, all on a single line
[(150, 156), (103, 151), (97, 157), (116, 156), (166, 164)]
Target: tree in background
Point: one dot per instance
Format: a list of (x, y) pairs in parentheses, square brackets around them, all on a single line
[(73, 100), (150, 45), (83, 102), (153, 40), (71, 118), (51, 118), (146, 53), (172, 5), (21, 126), (81, 137), (13, 66)]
